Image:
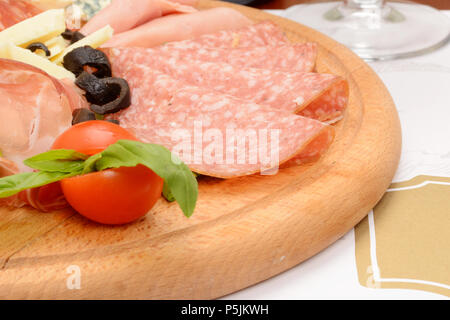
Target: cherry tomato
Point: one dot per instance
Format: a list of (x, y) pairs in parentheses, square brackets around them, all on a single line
[(115, 196), (91, 137)]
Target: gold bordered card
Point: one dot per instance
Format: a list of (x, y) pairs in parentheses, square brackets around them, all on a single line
[(404, 243)]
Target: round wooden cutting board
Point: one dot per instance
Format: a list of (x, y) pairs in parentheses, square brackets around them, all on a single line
[(244, 230)]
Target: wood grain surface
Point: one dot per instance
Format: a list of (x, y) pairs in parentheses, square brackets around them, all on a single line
[(244, 230)]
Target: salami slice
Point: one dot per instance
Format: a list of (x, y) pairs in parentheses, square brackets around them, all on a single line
[(216, 134), (318, 96), (296, 57), (257, 35), (15, 11)]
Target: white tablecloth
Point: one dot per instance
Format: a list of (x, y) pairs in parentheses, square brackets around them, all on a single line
[(421, 269)]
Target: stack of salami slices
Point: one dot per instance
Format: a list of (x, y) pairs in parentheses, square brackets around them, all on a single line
[(232, 103)]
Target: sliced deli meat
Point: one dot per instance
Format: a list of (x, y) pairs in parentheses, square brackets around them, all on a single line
[(124, 15), (72, 93), (261, 34), (45, 199), (216, 134), (15, 11), (34, 109), (180, 27), (322, 97), (296, 57)]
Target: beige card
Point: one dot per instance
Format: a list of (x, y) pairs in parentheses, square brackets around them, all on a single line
[(405, 241)]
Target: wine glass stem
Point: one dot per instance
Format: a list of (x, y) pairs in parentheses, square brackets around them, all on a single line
[(364, 4)]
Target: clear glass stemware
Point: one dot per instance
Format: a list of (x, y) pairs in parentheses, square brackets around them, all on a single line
[(377, 30)]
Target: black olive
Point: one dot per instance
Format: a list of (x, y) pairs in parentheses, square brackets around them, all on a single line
[(108, 95), (82, 115), (72, 36), (67, 34), (39, 46), (97, 91), (77, 59), (122, 97), (77, 36)]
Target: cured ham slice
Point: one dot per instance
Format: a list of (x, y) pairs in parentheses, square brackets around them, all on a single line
[(72, 93), (34, 109), (7, 167), (295, 57), (15, 11), (322, 97), (191, 3), (45, 199), (124, 15), (216, 134), (180, 27)]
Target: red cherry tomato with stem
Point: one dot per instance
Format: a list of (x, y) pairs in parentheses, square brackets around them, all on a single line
[(115, 196)]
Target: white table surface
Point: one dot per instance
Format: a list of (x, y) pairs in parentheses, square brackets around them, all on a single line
[(421, 90)]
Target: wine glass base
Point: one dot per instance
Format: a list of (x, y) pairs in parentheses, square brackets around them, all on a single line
[(397, 30)]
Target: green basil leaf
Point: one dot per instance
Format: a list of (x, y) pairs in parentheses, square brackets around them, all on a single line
[(12, 185), (178, 177), (60, 154), (57, 161), (167, 194), (59, 166), (89, 164)]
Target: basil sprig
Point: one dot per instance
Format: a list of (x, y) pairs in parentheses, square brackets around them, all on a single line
[(58, 161), (56, 165), (12, 185)]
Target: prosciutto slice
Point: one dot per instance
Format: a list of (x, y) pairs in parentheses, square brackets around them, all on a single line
[(180, 27), (124, 15), (34, 109), (15, 11)]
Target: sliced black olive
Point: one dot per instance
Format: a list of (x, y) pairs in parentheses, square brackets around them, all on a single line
[(122, 97), (97, 91), (72, 36), (76, 60), (82, 115), (39, 46), (108, 95)]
